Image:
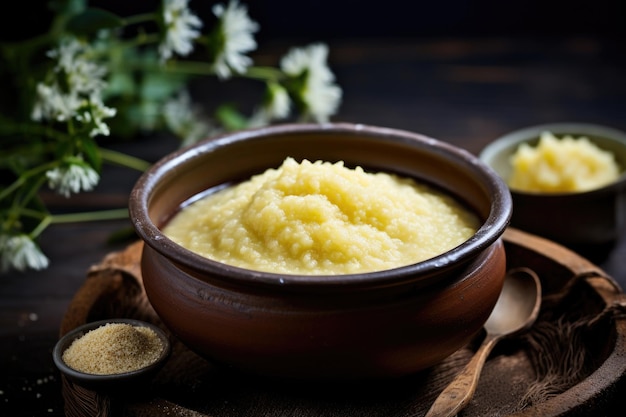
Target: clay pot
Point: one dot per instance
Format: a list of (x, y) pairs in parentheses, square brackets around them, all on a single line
[(371, 325)]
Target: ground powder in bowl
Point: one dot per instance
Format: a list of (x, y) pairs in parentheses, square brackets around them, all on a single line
[(565, 164), (114, 348), (322, 218)]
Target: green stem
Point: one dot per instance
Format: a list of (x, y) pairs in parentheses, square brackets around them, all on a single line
[(141, 39), (114, 214), (124, 160), (30, 44), (264, 73), (32, 192), (43, 225), (139, 18), (203, 68), (189, 67), (21, 180), (8, 127)]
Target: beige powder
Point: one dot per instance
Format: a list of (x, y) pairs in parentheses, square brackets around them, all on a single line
[(114, 348)]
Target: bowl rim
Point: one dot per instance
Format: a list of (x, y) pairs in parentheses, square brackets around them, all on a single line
[(489, 232), (515, 137), (66, 340)]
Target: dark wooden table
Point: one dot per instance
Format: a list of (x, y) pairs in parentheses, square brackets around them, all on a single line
[(463, 91)]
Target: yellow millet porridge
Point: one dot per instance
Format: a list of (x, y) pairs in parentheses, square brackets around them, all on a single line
[(567, 164), (324, 219)]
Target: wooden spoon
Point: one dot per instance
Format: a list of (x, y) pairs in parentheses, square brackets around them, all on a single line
[(516, 310)]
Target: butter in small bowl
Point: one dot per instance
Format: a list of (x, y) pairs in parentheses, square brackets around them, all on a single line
[(567, 182), (562, 165)]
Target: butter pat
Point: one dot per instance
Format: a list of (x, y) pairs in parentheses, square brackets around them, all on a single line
[(562, 165)]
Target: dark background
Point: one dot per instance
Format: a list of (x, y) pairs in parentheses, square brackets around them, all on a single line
[(354, 18), (330, 19)]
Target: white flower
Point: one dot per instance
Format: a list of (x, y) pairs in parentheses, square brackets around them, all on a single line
[(53, 104), (182, 27), (185, 119), (317, 93), (83, 75), (95, 112), (75, 177), (236, 29), (75, 91), (20, 252)]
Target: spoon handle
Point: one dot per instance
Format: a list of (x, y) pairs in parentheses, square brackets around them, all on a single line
[(460, 391)]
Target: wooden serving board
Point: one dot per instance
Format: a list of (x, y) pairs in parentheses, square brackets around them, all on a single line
[(571, 363)]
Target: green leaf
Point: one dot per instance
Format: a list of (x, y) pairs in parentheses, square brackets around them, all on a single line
[(67, 7), (64, 148), (91, 153), (159, 87), (93, 20), (230, 117), (120, 84)]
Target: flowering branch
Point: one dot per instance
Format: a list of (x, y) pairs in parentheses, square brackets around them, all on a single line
[(94, 74)]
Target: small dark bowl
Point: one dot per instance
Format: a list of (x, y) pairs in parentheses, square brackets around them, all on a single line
[(370, 325), (112, 382), (584, 220)]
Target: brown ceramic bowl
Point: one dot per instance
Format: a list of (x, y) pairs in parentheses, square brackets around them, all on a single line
[(370, 325), (583, 221)]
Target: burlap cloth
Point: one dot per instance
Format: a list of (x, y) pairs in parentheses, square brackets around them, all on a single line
[(571, 362)]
